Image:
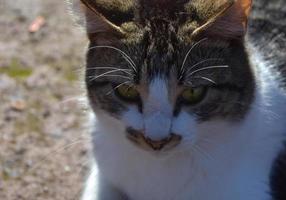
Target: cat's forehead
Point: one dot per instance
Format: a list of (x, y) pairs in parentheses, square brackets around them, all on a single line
[(179, 10), (167, 21), (146, 12)]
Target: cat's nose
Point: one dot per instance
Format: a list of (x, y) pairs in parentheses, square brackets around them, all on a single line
[(140, 139), (170, 142)]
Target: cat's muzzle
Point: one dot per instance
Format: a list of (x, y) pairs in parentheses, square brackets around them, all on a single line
[(138, 138)]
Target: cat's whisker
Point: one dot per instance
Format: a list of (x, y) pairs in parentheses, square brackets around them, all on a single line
[(115, 67), (191, 149), (58, 150), (203, 153), (128, 71), (73, 99), (98, 68), (207, 68), (188, 53), (105, 65), (117, 87), (202, 62), (189, 83), (204, 78), (108, 74), (94, 78), (125, 56)]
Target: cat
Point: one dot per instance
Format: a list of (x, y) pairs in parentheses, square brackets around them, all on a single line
[(187, 99)]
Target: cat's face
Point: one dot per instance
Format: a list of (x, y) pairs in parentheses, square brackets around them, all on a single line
[(165, 74)]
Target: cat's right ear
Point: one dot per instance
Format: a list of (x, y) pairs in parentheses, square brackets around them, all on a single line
[(99, 29), (229, 22)]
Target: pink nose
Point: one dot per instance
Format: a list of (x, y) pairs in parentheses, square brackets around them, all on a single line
[(138, 138)]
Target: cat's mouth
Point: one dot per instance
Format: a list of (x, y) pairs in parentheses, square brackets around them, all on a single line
[(139, 139)]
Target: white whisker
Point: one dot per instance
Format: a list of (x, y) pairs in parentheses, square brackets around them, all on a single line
[(205, 78), (127, 58), (98, 68), (113, 68), (205, 154), (106, 74), (58, 150), (188, 53), (203, 61), (206, 68), (117, 87), (94, 78)]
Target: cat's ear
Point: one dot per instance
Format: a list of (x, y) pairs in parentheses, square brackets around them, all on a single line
[(229, 22), (98, 27)]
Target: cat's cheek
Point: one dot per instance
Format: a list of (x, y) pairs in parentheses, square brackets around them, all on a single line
[(133, 118), (185, 125)]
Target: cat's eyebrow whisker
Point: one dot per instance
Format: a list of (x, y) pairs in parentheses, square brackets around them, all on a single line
[(98, 68), (127, 58), (128, 71), (78, 98), (92, 78), (188, 53), (203, 61), (117, 87), (207, 68), (190, 83), (106, 74), (204, 78)]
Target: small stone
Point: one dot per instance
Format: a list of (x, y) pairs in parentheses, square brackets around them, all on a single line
[(18, 105), (67, 168)]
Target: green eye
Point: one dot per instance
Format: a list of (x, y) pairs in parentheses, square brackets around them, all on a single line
[(193, 95), (128, 92)]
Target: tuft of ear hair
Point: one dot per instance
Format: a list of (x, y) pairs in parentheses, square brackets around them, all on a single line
[(229, 22), (98, 19)]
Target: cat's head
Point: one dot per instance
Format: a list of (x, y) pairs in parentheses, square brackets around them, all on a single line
[(166, 68)]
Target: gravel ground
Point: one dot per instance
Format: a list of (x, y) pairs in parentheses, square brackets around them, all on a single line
[(43, 129)]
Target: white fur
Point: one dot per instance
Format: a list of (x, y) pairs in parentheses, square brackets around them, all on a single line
[(216, 160), (157, 122), (157, 111)]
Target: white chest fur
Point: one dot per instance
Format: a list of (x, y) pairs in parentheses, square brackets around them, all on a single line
[(237, 167)]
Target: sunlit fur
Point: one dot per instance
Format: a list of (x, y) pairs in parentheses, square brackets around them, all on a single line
[(229, 139), (216, 160)]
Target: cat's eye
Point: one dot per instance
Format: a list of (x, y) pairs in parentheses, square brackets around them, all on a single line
[(127, 92), (193, 95)]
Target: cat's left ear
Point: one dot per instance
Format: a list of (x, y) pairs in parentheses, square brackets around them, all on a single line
[(103, 18), (230, 22)]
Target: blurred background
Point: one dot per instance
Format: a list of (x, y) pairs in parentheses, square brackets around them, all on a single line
[(43, 132)]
